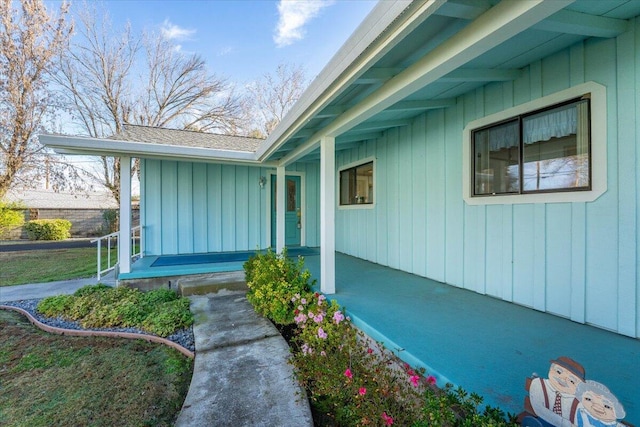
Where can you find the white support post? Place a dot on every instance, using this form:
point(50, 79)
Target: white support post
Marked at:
point(124, 239)
point(280, 207)
point(328, 215)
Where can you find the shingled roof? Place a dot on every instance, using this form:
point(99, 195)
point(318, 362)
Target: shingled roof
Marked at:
point(185, 138)
point(47, 199)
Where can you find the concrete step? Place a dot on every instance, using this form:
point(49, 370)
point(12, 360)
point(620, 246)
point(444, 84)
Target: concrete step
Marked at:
point(212, 283)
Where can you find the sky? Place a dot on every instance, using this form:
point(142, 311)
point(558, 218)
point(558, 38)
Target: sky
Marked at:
point(242, 40)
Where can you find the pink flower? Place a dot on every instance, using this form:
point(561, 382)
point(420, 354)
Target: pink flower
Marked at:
point(387, 419)
point(322, 334)
point(300, 308)
point(338, 317)
point(370, 350)
point(431, 379)
point(306, 349)
point(322, 353)
point(300, 318)
point(414, 380)
point(348, 373)
point(362, 391)
point(310, 314)
point(303, 300)
point(319, 318)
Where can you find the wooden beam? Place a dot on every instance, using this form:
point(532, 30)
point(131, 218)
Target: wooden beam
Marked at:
point(569, 22)
point(429, 104)
point(481, 75)
point(353, 137)
point(464, 9)
point(377, 75)
point(367, 127)
point(330, 111)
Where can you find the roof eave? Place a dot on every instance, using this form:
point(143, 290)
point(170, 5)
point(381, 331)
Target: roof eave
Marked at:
point(78, 145)
point(349, 58)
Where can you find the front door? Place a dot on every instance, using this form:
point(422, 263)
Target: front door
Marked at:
point(293, 213)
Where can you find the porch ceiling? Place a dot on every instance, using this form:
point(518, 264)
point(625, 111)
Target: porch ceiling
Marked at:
point(413, 75)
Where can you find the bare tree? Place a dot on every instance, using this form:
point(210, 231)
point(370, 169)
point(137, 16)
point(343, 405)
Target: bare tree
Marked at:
point(114, 79)
point(274, 94)
point(31, 41)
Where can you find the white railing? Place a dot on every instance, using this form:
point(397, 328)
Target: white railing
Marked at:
point(112, 242)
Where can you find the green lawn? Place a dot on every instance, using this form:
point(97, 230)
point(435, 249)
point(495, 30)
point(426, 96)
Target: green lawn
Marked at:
point(80, 381)
point(49, 265)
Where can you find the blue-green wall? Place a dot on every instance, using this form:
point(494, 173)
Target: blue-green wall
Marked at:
point(576, 260)
point(197, 207)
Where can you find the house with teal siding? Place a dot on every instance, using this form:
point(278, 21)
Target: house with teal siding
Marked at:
point(489, 145)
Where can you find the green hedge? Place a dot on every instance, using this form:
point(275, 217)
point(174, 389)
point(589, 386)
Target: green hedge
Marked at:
point(11, 216)
point(48, 229)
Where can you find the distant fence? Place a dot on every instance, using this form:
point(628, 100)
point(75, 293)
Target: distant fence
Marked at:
point(84, 222)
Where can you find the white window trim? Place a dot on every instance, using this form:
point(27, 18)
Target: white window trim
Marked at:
point(598, 148)
point(349, 166)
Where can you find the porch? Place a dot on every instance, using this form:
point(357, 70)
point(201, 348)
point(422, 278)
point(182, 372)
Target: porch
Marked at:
point(164, 266)
point(483, 344)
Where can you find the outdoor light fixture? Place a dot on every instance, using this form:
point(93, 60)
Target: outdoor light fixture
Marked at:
point(262, 181)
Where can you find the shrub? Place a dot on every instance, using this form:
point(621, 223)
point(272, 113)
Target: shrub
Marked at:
point(11, 216)
point(273, 280)
point(55, 306)
point(48, 229)
point(160, 312)
point(111, 220)
point(92, 289)
point(168, 317)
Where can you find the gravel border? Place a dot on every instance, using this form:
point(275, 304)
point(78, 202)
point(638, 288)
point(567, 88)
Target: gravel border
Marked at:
point(182, 340)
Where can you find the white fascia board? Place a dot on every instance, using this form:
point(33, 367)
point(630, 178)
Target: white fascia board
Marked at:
point(348, 64)
point(110, 147)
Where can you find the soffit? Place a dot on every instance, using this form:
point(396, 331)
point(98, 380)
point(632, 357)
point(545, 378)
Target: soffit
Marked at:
point(578, 21)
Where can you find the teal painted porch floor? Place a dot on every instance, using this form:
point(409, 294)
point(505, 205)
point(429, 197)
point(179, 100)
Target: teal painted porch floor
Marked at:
point(187, 264)
point(483, 344)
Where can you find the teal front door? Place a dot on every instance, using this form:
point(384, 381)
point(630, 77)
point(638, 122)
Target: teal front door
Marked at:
point(293, 212)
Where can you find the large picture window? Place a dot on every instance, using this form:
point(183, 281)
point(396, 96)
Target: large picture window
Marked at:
point(356, 185)
point(547, 150)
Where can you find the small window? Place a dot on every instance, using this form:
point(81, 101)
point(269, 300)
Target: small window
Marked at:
point(543, 151)
point(356, 185)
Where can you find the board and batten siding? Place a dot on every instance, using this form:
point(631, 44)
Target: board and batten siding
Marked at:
point(577, 260)
point(198, 207)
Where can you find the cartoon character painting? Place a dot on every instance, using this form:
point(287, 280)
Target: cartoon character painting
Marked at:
point(598, 407)
point(567, 399)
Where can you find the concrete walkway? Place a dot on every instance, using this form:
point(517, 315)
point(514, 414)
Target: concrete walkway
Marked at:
point(241, 376)
point(43, 290)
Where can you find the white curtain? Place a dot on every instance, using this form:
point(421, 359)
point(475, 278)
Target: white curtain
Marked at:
point(562, 121)
point(503, 136)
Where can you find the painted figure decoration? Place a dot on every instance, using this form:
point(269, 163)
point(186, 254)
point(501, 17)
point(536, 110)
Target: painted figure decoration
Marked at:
point(567, 399)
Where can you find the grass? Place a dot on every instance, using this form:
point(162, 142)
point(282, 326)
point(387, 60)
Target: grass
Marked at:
point(54, 380)
point(49, 265)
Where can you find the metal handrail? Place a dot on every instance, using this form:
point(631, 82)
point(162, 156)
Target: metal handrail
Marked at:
point(135, 235)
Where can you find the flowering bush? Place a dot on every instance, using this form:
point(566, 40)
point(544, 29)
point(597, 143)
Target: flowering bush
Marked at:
point(348, 378)
point(273, 280)
point(345, 378)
